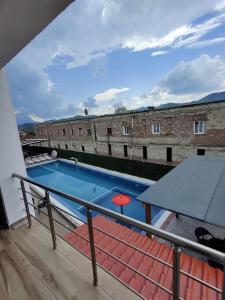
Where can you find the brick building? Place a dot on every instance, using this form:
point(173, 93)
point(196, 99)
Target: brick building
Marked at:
point(157, 135)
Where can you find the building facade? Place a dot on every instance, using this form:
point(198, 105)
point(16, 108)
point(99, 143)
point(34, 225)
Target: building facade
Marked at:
point(164, 136)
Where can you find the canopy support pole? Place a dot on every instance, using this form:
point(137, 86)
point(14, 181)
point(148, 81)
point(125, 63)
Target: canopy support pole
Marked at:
point(148, 217)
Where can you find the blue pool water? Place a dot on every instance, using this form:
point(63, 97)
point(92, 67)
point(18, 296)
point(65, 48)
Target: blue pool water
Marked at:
point(91, 185)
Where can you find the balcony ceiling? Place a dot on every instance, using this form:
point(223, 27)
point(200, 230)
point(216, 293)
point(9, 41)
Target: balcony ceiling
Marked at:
point(22, 20)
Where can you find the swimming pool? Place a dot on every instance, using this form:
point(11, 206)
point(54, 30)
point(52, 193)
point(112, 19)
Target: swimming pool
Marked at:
point(91, 185)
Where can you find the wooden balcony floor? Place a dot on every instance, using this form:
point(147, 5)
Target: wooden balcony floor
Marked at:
point(30, 269)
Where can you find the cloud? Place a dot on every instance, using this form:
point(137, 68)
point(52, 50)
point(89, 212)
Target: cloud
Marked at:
point(90, 102)
point(34, 94)
point(35, 118)
point(110, 94)
point(188, 81)
point(157, 53)
point(207, 43)
point(90, 29)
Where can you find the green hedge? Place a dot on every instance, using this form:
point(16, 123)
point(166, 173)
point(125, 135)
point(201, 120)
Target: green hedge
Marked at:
point(133, 167)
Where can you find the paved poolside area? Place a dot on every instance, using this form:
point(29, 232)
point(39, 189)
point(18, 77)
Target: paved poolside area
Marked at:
point(185, 227)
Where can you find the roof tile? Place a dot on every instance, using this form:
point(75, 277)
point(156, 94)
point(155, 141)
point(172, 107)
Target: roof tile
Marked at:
point(155, 270)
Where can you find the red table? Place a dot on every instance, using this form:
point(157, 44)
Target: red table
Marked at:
point(121, 200)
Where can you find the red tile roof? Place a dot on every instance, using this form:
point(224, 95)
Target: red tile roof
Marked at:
point(162, 274)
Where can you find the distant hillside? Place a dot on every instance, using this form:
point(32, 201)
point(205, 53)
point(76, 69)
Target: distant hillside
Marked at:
point(27, 127)
point(78, 117)
point(220, 96)
point(214, 97)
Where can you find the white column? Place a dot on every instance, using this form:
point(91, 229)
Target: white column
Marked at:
point(11, 157)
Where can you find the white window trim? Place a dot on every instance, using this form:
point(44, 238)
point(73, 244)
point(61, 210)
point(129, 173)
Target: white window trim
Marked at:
point(153, 128)
point(124, 131)
point(198, 127)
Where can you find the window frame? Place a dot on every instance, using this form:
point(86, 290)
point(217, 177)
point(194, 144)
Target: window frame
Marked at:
point(80, 131)
point(110, 130)
point(198, 127)
point(126, 132)
point(158, 126)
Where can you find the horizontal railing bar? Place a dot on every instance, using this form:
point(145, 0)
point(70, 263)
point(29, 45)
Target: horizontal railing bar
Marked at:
point(135, 248)
point(134, 270)
point(177, 240)
point(111, 255)
point(122, 241)
point(201, 281)
point(39, 197)
point(105, 232)
point(72, 231)
point(40, 221)
point(102, 267)
point(66, 212)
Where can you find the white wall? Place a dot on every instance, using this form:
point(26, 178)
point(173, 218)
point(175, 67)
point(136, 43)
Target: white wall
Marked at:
point(11, 157)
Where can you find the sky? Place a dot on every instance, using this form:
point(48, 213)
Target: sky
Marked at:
point(102, 54)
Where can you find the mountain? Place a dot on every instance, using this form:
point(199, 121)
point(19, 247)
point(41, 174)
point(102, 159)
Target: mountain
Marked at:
point(27, 127)
point(220, 96)
point(214, 97)
point(78, 117)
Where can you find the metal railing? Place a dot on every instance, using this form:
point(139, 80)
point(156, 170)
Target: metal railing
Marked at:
point(177, 241)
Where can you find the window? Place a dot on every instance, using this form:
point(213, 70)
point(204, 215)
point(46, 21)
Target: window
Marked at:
point(110, 149)
point(80, 131)
point(199, 127)
point(109, 130)
point(58, 146)
point(63, 131)
point(66, 146)
point(88, 131)
point(200, 151)
point(169, 154)
point(51, 131)
point(72, 131)
point(95, 149)
point(125, 130)
point(46, 133)
point(145, 153)
point(40, 131)
point(83, 148)
point(74, 146)
point(125, 150)
point(58, 132)
point(156, 128)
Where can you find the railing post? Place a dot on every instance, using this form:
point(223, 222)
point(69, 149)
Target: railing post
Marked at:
point(223, 290)
point(26, 202)
point(92, 246)
point(176, 272)
point(51, 223)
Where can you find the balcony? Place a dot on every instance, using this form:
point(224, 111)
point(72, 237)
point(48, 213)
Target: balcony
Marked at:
point(30, 269)
point(159, 265)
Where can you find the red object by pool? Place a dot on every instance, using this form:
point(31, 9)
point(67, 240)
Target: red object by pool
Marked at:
point(121, 200)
